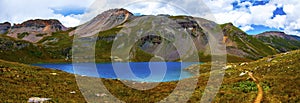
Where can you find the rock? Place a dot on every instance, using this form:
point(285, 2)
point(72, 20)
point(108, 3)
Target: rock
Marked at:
point(116, 59)
point(101, 95)
point(38, 100)
point(50, 25)
point(274, 61)
point(4, 27)
point(243, 73)
point(242, 64)
point(53, 73)
point(228, 67)
point(35, 30)
point(270, 59)
point(286, 53)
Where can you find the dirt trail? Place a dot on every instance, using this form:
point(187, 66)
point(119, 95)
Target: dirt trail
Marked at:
point(260, 92)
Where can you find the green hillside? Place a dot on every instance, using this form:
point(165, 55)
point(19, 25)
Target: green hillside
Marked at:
point(277, 74)
point(281, 44)
point(254, 48)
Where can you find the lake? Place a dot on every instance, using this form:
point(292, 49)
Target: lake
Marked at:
point(134, 71)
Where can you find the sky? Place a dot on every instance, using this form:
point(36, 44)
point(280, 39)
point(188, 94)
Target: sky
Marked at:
point(252, 16)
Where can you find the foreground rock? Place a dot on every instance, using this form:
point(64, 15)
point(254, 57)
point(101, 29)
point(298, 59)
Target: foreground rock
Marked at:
point(37, 100)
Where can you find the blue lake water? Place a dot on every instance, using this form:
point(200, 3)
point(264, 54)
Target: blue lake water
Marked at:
point(135, 71)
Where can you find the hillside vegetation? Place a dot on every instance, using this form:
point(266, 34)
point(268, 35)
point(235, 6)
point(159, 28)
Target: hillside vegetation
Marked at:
point(29, 43)
point(278, 75)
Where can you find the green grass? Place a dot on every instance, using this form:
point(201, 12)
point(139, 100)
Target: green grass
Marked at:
point(20, 82)
point(253, 46)
point(40, 35)
point(22, 35)
point(281, 44)
point(110, 32)
point(278, 77)
point(19, 50)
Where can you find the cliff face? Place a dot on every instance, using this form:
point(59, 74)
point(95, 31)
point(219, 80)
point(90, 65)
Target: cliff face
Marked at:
point(4, 27)
point(35, 30)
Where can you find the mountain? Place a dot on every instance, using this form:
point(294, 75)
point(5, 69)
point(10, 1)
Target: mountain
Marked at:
point(296, 37)
point(4, 27)
point(154, 35)
point(239, 43)
point(35, 30)
point(276, 34)
point(143, 37)
point(54, 48)
point(107, 20)
point(279, 40)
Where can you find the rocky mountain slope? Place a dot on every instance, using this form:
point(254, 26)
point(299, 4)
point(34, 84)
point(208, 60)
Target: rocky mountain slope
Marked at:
point(296, 37)
point(104, 21)
point(276, 34)
point(4, 27)
point(35, 30)
point(240, 44)
point(279, 40)
point(150, 35)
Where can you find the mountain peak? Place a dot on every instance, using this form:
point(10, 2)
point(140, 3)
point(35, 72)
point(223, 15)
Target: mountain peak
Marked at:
point(35, 30)
point(115, 12)
point(40, 23)
point(275, 34)
point(105, 21)
point(230, 30)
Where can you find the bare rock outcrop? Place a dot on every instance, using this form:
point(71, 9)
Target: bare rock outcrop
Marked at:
point(35, 30)
point(104, 21)
point(4, 27)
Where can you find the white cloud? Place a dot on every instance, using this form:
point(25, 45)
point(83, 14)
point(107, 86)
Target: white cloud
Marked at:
point(247, 28)
point(17, 11)
point(279, 21)
point(175, 7)
point(221, 11)
point(260, 15)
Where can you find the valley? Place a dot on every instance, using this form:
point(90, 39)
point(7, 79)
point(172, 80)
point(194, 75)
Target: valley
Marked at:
point(273, 58)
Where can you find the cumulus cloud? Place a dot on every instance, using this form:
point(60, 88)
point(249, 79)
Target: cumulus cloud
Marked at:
point(153, 7)
point(247, 28)
point(248, 14)
point(17, 11)
point(221, 11)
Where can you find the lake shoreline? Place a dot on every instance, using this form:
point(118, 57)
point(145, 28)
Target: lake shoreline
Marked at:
point(174, 71)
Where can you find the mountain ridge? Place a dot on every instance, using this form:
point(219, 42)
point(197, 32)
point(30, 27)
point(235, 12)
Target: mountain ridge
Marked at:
point(276, 34)
point(109, 23)
point(35, 30)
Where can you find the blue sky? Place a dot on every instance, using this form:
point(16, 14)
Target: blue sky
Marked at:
point(261, 28)
point(256, 29)
point(252, 16)
point(69, 11)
